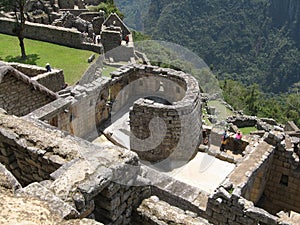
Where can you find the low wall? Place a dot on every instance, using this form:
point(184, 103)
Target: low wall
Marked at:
point(75, 12)
point(53, 80)
point(57, 35)
point(226, 208)
point(19, 95)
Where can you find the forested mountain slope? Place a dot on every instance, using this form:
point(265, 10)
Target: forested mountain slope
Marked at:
point(253, 41)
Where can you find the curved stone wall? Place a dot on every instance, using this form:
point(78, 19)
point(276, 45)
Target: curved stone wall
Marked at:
point(159, 131)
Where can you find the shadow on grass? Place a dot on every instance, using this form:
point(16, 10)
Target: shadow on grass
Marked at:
point(31, 59)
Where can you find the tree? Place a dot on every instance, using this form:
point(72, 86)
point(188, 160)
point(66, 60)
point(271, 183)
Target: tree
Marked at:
point(18, 7)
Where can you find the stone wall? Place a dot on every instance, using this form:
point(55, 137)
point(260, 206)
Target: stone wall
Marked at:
point(90, 108)
point(282, 189)
point(57, 35)
point(24, 150)
point(53, 80)
point(180, 111)
point(75, 12)
point(29, 70)
point(20, 98)
point(110, 39)
point(116, 203)
point(120, 53)
point(226, 208)
point(257, 181)
point(89, 16)
point(82, 112)
point(78, 179)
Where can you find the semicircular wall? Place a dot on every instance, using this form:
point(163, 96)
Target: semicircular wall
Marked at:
point(159, 131)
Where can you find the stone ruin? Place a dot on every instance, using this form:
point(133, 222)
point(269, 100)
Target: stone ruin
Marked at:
point(50, 161)
point(60, 22)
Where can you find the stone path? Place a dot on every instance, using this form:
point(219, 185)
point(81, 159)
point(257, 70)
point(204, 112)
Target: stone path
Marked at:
point(204, 171)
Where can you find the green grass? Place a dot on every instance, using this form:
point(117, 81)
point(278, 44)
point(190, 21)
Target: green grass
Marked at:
point(107, 70)
point(220, 108)
point(247, 130)
point(72, 61)
point(204, 113)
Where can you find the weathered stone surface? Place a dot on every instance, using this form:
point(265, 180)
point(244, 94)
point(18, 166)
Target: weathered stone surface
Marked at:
point(152, 211)
point(290, 126)
point(55, 204)
point(7, 180)
point(261, 215)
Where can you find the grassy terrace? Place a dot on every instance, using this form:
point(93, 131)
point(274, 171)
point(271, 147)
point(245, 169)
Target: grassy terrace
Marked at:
point(72, 61)
point(223, 111)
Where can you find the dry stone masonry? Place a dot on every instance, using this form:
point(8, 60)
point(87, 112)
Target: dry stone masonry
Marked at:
point(48, 161)
point(19, 94)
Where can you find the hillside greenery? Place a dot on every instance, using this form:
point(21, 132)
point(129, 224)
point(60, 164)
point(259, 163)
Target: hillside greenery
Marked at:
point(251, 46)
point(248, 98)
point(72, 61)
point(243, 40)
point(108, 7)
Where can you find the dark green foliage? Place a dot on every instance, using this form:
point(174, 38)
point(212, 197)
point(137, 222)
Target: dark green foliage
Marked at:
point(252, 101)
point(136, 11)
point(108, 7)
point(139, 36)
point(251, 41)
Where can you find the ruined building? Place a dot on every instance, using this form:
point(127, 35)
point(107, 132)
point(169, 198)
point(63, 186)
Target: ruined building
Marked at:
point(71, 24)
point(132, 148)
point(154, 169)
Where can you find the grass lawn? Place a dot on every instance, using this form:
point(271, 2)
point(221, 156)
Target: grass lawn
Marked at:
point(72, 61)
point(223, 111)
point(247, 130)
